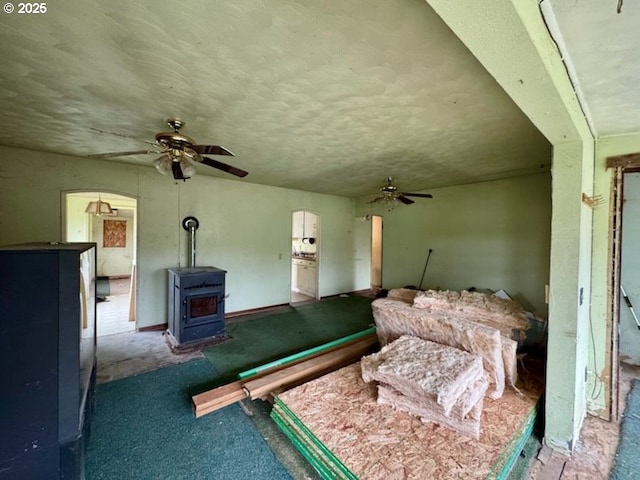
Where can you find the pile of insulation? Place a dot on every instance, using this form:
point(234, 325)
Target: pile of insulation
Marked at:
point(435, 382)
point(481, 324)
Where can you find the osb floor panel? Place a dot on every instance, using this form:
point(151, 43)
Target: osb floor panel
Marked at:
point(376, 442)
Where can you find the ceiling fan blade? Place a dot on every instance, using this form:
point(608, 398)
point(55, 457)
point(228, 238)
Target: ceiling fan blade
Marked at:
point(376, 200)
point(224, 167)
point(122, 154)
point(211, 150)
point(405, 200)
point(177, 171)
point(422, 195)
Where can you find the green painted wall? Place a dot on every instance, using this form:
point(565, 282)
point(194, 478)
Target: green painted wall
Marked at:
point(244, 228)
point(511, 40)
point(569, 301)
point(493, 235)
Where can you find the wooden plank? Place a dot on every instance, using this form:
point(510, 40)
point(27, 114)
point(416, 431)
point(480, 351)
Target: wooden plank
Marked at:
point(306, 354)
point(631, 160)
point(611, 369)
point(260, 387)
point(212, 400)
point(217, 398)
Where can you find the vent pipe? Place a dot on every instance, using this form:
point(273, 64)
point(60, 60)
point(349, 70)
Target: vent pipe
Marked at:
point(191, 224)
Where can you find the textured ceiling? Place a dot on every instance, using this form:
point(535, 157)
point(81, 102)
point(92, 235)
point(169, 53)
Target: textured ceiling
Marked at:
point(328, 96)
point(602, 48)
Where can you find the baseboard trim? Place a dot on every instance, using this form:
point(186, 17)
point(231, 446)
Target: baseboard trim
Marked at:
point(253, 311)
point(154, 328)
point(361, 293)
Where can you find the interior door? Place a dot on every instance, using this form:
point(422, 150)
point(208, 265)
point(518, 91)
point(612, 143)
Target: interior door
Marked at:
point(376, 252)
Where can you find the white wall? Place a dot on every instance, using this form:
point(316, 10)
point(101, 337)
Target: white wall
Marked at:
point(489, 235)
point(244, 228)
point(78, 221)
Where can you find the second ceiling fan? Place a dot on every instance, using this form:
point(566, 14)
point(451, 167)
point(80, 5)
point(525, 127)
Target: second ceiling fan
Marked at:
point(178, 151)
point(389, 194)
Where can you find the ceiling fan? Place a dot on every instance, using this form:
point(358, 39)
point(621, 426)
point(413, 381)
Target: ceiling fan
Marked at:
point(178, 152)
point(389, 194)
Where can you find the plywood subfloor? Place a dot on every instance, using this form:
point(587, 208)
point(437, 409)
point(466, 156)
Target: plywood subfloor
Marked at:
point(375, 442)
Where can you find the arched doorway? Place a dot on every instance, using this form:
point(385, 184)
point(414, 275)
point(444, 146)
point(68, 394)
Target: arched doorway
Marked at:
point(115, 236)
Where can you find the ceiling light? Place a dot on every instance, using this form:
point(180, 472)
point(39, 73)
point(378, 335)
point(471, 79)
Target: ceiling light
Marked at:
point(99, 208)
point(188, 170)
point(163, 164)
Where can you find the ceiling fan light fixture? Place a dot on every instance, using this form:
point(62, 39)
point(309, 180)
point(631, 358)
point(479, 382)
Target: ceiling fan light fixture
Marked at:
point(188, 170)
point(178, 151)
point(390, 196)
point(99, 208)
point(163, 164)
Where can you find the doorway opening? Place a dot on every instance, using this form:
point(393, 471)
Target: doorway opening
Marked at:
point(626, 283)
point(368, 254)
point(376, 253)
point(622, 354)
point(305, 256)
point(115, 235)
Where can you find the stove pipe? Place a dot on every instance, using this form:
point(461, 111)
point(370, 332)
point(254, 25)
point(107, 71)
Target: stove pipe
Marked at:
point(191, 224)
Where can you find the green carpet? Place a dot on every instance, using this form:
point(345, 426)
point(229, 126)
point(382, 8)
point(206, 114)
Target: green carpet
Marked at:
point(627, 461)
point(144, 428)
point(272, 336)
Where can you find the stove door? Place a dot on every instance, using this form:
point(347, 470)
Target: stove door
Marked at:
point(203, 307)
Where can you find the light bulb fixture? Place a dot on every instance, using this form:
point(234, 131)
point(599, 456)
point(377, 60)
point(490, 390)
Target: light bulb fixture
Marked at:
point(166, 163)
point(163, 164)
point(99, 208)
point(188, 170)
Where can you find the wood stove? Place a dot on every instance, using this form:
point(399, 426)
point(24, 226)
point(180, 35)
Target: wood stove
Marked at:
point(196, 303)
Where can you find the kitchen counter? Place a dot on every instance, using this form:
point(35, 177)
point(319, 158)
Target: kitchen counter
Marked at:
point(301, 257)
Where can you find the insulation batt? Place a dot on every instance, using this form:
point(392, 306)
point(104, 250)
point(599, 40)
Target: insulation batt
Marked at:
point(404, 294)
point(428, 373)
point(509, 358)
point(505, 315)
point(468, 425)
point(395, 318)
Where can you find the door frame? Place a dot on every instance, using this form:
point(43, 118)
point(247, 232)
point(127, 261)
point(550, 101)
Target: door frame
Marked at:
point(318, 242)
point(621, 164)
point(133, 294)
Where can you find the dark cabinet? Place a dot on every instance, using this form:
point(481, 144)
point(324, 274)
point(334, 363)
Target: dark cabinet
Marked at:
point(47, 358)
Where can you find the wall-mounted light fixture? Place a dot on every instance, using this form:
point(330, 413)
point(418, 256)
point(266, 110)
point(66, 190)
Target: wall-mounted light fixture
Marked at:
point(99, 208)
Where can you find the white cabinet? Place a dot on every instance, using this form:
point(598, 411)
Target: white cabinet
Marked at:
point(310, 225)
point(297, 229)
point(303, 276)
point(305, 225)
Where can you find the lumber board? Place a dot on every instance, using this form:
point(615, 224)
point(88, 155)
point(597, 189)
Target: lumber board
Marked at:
point(219, 397)
point(305, 354)
point(260, 387)
point(631, 160)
